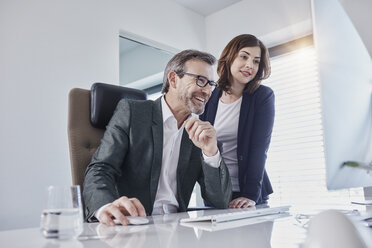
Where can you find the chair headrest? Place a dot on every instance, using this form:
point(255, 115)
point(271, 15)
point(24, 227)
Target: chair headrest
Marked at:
point(105, 97)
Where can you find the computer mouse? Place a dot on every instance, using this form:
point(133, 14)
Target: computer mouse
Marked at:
point(134, 220)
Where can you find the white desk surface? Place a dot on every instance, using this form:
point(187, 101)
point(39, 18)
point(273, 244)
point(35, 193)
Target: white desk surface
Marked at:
point(166, 231)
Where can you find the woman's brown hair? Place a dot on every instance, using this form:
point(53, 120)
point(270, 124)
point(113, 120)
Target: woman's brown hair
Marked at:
point(231, 52)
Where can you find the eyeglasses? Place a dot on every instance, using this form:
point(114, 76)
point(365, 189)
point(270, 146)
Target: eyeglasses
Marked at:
point(201, 81)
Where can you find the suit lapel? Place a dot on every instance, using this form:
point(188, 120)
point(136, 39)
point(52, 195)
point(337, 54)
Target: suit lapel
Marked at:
point(157, 138)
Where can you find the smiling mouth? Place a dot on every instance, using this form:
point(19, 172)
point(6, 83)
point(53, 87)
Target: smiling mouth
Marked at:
point(200, 99)
point(246, 74)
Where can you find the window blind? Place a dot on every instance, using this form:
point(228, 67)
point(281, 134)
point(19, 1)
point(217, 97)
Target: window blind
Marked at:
point(295, 163)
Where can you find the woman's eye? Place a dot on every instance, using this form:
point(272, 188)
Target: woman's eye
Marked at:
point(243, 57)
point(257, 62)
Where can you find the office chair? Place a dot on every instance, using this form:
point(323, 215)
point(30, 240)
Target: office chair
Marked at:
point(89, 111)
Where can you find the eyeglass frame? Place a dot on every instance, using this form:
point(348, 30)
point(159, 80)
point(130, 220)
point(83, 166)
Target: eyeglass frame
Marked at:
point(211, 83)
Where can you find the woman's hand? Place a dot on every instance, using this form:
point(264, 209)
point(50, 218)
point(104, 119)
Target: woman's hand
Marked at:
point(242, 202)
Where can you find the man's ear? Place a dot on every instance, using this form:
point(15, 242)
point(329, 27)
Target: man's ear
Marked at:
point(172, 77)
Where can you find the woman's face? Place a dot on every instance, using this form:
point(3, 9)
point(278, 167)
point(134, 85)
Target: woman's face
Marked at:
point(245, 66)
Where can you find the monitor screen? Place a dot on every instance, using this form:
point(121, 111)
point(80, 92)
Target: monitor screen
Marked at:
point(345, 72)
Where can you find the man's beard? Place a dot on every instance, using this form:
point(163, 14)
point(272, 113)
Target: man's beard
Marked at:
point(193, 108)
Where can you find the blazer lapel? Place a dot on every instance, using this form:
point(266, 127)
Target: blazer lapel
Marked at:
point(157, 138)
point(244, 109)
point(213, 104)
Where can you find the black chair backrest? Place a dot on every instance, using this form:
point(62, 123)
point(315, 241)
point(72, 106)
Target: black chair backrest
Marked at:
point(105, 97)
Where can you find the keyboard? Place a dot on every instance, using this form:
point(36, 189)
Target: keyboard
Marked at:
point(236, 214)
point(211, 227)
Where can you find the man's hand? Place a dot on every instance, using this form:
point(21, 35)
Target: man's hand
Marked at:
point(119, 208)
point(242, 202)
point(203, 135)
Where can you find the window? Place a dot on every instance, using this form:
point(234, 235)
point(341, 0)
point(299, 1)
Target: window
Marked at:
point(295, 162)
point(142, 64)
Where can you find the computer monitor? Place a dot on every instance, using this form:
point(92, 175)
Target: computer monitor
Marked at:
point(345, 72)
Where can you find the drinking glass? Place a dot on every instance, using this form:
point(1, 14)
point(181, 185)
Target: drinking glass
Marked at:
point(62, 217)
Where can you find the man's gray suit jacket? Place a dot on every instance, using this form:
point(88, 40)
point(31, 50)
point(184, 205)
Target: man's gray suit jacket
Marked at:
point(129, 158)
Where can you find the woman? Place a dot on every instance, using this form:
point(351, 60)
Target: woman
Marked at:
point(242, 112)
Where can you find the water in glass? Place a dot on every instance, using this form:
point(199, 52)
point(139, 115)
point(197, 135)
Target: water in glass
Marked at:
point(62, 217)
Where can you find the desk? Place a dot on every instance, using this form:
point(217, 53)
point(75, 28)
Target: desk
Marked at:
point(166, 231)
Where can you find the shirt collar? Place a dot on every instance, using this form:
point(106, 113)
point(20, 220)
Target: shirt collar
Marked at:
point(167, 113)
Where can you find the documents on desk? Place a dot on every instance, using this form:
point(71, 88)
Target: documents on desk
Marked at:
point(235, 214)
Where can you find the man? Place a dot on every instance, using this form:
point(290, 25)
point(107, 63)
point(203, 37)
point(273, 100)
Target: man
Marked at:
point(153, 152)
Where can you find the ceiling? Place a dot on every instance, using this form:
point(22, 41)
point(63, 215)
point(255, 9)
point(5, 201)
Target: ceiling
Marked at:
point(206, 7)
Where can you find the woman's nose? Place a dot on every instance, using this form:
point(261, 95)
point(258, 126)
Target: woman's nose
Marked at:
point(249, 64)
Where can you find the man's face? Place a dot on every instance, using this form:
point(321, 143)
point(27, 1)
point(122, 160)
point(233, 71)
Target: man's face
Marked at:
point(189, 94)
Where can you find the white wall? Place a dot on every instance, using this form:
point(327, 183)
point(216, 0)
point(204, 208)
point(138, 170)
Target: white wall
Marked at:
point(277, 21)
point(360, 14)
point(258, 17)
point(48, 47)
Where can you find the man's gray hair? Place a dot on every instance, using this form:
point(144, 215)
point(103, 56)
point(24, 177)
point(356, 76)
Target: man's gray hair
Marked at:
point(177, 64)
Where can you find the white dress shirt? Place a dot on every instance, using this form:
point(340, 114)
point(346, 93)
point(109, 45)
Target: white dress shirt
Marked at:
point(165, 199)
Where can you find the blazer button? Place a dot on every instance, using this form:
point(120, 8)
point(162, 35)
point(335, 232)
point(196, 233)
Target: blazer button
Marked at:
point(241, 157)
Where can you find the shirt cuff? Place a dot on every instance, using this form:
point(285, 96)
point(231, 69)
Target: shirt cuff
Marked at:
point(98, 212)
point(213, 161)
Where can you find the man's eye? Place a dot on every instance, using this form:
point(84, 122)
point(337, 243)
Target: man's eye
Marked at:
point(202, 80)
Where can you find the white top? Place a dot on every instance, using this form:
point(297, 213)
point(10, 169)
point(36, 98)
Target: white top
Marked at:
point(226, 125)
point(165, 199)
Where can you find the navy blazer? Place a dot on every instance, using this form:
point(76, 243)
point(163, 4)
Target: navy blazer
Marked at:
point(254, 133)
